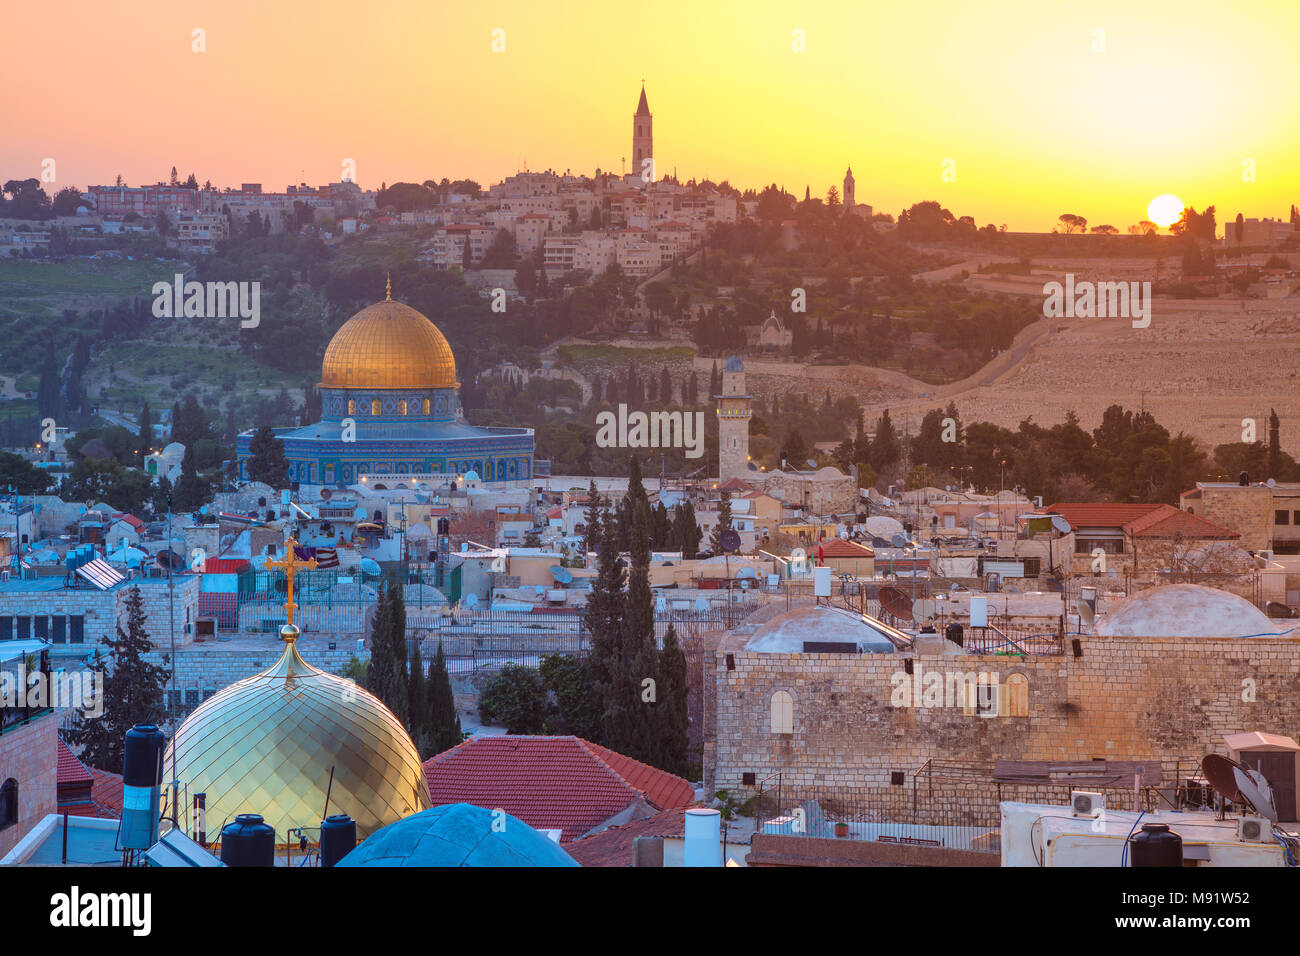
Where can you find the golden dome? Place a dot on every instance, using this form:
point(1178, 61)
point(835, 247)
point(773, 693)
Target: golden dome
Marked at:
point(267, 743)
point(388, 345)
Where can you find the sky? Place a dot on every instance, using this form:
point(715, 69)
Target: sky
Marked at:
point(1091, 107)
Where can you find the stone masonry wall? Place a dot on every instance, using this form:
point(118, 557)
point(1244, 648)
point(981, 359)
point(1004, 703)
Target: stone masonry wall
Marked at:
point(1169, 698)
point(30, 754)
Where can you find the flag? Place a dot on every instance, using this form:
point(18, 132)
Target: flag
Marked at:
point(327, 558)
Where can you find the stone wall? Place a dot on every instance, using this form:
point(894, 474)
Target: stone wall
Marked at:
point(211, 666)
point(1248, 511)
point(30, 755)
point(1170, 699)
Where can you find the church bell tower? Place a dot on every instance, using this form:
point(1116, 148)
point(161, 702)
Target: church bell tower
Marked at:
point(643, 140)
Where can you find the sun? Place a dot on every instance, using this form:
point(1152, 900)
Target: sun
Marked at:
point(1165, 210)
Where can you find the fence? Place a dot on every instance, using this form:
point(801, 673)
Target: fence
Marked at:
point(883, 815)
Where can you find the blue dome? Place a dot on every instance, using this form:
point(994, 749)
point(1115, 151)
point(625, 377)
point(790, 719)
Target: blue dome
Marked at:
point(472, 476)
point(457, 834)
point(734, 364)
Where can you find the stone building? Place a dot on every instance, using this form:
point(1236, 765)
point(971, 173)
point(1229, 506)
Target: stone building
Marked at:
point(867, 722)
point(1265, 517)
point(28, 775)
point(734, 412)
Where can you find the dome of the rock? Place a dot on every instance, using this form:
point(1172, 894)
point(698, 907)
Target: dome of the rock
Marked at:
point(388, 345)
point(268, 744)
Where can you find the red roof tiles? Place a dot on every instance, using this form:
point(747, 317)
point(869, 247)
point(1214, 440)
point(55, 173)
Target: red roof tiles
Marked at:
point(563, 783)
point(839, 548)
point(616, 845)
point(1140, 520)
point(85, 791)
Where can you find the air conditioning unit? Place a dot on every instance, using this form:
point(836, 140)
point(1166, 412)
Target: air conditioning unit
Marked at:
point(1084, 803)
point(1254, 830)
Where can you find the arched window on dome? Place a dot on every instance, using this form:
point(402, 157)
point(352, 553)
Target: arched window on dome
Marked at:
point(426, 406)
point(376, 406)
point(782, 713)
point(352, 406)
point(401, 407)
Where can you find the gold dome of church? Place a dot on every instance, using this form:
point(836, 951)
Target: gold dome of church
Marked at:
point(388, 345)
point(267, 745)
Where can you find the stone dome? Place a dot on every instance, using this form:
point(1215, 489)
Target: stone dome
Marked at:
point(388, 345)
point(458, 834)
point(1185, 610)
point(268, 743)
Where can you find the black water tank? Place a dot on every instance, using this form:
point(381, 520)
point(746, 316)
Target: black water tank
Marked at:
point(248, 842)
point(141, 766)
point(954, 633)
point(1156, 845)
point(338, 838)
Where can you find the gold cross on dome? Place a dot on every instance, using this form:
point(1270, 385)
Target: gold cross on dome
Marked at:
point(291, 566)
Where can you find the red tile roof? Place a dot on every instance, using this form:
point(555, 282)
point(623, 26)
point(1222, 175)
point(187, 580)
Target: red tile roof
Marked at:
point(563, 783)
point(1141, 520)
point(616, 845)
point(1168, 521)
point(735, 484)
point(839, 548)
point(1099, 514)
point(86, 791)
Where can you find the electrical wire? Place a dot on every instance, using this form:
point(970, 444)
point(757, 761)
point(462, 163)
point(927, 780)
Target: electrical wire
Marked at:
point(1123, 857)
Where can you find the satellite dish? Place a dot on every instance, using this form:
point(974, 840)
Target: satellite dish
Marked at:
point(730, 540)
point(369, 566)
point(1221, 772)
point(81, 510)
point(1060, 524)
point(898, 540)
point(1254, 789)
point(471, 600)
point(561, 574)
point(203, 510)
point(1271, 483)
point(896, 602)
point(922, 609)
point(753, 467)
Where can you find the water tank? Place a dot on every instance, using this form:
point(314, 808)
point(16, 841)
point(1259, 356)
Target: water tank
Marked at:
point(338, 838)
point(954, 633)
point(248, 842)
point(1156, 845)
point(141, 777)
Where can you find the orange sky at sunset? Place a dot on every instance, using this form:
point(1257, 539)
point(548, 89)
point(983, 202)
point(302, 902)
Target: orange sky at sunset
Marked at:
point(1037, 121)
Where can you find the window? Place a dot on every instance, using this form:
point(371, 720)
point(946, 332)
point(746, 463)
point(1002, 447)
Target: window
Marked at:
point(426, 406)
point(782, 713)
point(1089, 545)
point(1281, 517)
point(6, 628)
point(60, 629)
point(24, 628)
point(352, 406)
point(1015, 696)
point(8, 803)
point(375, 406)
point(77, 629)
point(42, 631)
point(401, 407)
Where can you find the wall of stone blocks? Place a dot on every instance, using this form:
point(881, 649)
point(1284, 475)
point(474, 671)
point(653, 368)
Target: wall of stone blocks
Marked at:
point(29, 754)
point(1171, 699)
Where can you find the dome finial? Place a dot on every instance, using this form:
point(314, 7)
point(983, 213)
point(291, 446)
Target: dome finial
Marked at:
point(388, 287)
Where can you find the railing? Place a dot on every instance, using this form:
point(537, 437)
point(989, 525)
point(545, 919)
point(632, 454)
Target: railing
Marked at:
point(881, 815)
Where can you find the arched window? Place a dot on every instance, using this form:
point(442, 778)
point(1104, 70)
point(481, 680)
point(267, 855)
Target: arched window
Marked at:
point(352, 406)
point(426, 406)
point(8, 803)
point(375, 406)
point(782, 713)
point(401, 407)
point(1015, 694)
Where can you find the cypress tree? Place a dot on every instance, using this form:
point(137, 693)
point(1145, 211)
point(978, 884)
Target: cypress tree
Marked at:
point(397, 647)
point(380, 673)
point(417, 702)
point(133, 690)
point(146, 434)
point(591, 522)
point(672, 732)
point(444, 722)
point(602, 618)
point(724, 523)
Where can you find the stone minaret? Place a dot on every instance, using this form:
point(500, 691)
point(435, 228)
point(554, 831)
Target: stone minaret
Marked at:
point(848, 190)
point(643, 137)
point(733, 422)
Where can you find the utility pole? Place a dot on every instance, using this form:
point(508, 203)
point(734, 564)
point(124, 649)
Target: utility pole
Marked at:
point(171, 630)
